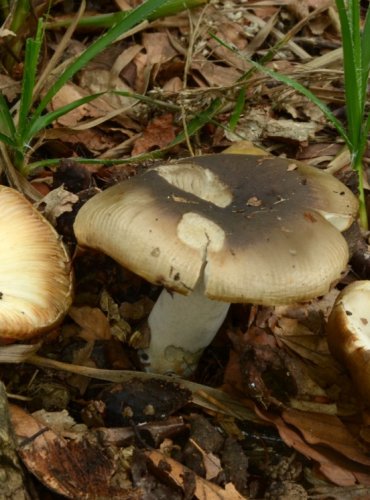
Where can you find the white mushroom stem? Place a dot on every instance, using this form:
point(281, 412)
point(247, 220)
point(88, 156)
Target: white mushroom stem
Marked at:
point(181, 327)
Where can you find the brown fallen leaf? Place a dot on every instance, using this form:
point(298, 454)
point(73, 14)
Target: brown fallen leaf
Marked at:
point(75, 468)
point(204, 490)
point(57, 202)
point(159, 133)
point(334, 466)
point(211, 462)
point(328, 430)
point(93, 322)
point(158, 48)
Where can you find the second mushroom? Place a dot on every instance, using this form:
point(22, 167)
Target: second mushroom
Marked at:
point(219, 229)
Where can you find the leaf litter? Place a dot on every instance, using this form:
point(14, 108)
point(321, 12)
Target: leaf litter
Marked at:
point(270, 402)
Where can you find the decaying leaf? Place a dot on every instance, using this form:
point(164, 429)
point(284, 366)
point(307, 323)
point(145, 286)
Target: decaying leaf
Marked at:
point(203, 489)
point(75, 468)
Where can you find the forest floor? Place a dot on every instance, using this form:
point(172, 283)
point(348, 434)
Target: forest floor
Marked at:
point(269, 412)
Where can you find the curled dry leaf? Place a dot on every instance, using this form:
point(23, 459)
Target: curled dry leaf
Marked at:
point(57, 202)
point(93, 322)
point(338, 468)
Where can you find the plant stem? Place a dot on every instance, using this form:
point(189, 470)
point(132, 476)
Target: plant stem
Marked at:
point(107, 20)
point(358, 167)
point(19, 14)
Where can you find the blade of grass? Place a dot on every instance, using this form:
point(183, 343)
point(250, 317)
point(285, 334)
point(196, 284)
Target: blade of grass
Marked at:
point(365, 49)
point(351, 82)
point(297, 86)
point(29, 76)
point(194, 126)
point(45, 120)
point(198, 122)
point(59, 50)
point(7, 140)
point(364, 136)
point(135, 16)
point(238, 109)
point(6, 119)
point(307, 93)
point(19, 11)
point(107, 20)
point(4, 10)
point(355, 23)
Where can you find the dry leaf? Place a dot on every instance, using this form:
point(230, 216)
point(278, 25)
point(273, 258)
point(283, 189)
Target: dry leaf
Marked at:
point(57, 202)
point(75, 468)
point(335, 467)
point(212, 464)
point(204, 490)
point(93, 322)
point(158, 134)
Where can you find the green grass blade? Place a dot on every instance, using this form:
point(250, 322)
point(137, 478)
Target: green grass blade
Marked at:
point(364, 135)
point(147, 99)
point(366, 129)
point(45, 120)
point(170, 8)
point(198, 122)
point(298, 87)
point(29, 77)
point(7, 140)
point(354, 19)
point(351, 72)
point(6, 120)
point(238, 109)
point(136, 16)
point(193, 126)
point(307, 93)
point(365, 49)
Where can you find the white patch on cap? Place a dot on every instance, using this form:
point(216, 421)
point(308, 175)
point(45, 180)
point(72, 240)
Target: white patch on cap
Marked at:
point(356, 308)
point(198, 181)
point(339, 221)
point(199, 232)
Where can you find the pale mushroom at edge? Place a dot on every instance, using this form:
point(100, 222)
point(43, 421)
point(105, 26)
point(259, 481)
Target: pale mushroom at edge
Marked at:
point(35, 271)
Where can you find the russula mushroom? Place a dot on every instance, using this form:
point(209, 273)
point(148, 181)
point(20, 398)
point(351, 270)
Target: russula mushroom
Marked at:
point(348, 334)
point(35, 271)
point(218, 229)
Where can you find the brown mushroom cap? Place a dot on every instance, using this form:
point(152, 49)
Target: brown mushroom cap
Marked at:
point(35, 271)
point(257, 225)
point(348, 333)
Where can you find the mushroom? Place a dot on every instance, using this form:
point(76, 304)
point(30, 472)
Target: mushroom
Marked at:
point(348, 334)
point(35, 271)
point(218, 229)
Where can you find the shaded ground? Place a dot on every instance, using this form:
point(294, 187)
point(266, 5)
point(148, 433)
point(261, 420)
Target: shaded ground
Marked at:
point(285, 421)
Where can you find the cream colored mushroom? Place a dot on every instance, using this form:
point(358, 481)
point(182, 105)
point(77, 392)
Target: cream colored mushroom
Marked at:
point(219, 229)
point(35, 271)
point(348, 332)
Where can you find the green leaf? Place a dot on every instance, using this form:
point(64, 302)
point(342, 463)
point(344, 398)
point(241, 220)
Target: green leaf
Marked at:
point(171, 7)
point(7, 140)
point(365, 49)
point(198, 122)
point(6, 119)
point(45, 120)
point(352, 85)
point(29, 77)
point(238, 109)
